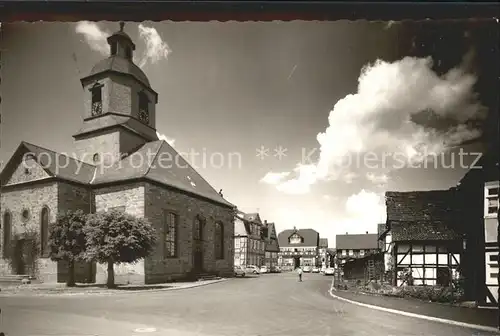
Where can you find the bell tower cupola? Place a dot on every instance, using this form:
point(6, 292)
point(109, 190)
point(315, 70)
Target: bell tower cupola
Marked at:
point(121, 44)
point(119, 103)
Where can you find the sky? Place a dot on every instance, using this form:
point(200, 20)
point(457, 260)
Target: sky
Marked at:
point(293, 119)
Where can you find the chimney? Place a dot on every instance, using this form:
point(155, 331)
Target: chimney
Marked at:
point(366, 232)
point(265, 221)
point(347, 233)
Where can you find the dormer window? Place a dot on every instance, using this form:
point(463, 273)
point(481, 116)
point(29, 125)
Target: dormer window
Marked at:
point(143, 107)
point(296, 239)
point(96, 92)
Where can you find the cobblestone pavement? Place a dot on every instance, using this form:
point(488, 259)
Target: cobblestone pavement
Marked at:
point(271, 304)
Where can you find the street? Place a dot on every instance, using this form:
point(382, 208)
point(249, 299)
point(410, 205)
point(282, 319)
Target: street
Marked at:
point(271, 304)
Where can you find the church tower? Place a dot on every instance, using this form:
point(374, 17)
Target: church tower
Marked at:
point(120, 106)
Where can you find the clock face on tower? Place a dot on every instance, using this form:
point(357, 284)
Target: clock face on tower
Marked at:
point(144, 116)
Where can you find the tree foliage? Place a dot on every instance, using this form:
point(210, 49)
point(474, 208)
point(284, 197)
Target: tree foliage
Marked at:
point(67, 240)
point(118, 237)
point(67, 237)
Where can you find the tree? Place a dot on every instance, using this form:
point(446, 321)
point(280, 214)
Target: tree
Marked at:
point(117, 237)
point(67, 240)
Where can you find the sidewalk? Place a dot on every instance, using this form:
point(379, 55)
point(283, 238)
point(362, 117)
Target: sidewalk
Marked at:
point(483, 317)
point(94, 289)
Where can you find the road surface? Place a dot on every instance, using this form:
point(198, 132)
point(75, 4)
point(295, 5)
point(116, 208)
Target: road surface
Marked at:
point(272, 304)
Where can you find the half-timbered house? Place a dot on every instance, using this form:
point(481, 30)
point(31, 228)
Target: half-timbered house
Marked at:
point(426, 238)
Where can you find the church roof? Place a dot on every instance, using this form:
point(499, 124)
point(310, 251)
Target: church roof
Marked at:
point(159, 162)
point(156, 161)
point(111, 120)
point(55, 164)
point(122, 65)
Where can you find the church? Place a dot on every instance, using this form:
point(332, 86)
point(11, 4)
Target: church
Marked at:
point(118, 163)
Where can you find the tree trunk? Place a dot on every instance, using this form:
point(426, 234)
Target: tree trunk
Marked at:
point(111, 275)
point(71, 274)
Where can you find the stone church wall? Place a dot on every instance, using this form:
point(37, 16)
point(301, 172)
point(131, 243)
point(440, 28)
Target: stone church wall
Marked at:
point(33, 198)
point(160, 269)
point(132, 198)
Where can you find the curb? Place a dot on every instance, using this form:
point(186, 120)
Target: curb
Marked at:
point(408, 314)
point(103, 293)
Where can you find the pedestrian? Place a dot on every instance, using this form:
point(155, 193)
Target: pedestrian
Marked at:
point(299, 270)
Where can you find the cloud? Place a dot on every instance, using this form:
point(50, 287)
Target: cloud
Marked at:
point(380, 179)
point(94, 36)
point(383, 118)
point(274, 178)
point(163, 137)
point(305, 176)
point(155, 48)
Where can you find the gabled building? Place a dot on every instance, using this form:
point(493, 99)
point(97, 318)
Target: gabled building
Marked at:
point(478, 202)
point(249, 240)
point(111, 167)
point(354, 246)
point(298, 247)
point(272, 247)
point(426, 235)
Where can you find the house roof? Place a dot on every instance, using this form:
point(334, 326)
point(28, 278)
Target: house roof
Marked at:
point(366, 241)
point(489, 171)
point(253, 217)
point(271, 239)
point(423, 215)
point(331, 251)
point(156, 161)
point(310, 236)
point(323, 242)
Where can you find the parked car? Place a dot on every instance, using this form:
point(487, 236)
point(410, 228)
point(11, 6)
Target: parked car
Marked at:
point(276, 269)
point(252, 269)
point(306, 269)
point(264, 269)
point(329, 271)
point(323, 269)
point(315, 270)
point(239, 271)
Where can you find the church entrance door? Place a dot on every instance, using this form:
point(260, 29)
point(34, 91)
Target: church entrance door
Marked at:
point(198, 257)
point(23, 257)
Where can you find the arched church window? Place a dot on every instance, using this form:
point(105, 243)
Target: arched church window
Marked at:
point(219, 241)
point(7, 227)
point(44, 232)
point(96, 92)
point(143, 107)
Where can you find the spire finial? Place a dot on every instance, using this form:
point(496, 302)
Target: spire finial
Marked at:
point(122, 24)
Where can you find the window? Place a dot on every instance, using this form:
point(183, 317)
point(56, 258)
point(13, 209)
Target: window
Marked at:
point(198, 228)
point(494, 257)
point(128, 53)
point(44, 232)
point(117, 208)
point(219, 241)
point(25, 215)
point(7, 223)
point(491, 200)
point(113, 48)
point(96, 92)
point(143, 107)
point(351, 252)
point(95, 158)
point(170, 234)
point(344, 252)
point(362, 253)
